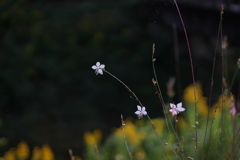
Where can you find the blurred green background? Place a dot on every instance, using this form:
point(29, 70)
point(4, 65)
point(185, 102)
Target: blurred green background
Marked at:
point(48, 91)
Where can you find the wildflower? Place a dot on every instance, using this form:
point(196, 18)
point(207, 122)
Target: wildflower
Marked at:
point(47, 153)
point(141, 111)
point(176, 109)
point(22, 151)
point(98, 68)
point(92, 138)
point(232, 105)
point(134, 136)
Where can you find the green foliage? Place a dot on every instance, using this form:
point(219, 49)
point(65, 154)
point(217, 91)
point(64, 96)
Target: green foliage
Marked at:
point(218, 132)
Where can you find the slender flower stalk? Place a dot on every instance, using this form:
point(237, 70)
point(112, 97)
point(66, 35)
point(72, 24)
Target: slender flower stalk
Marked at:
point(235, 74)
point(212, 82)
point(136, 98)
point(193, 78)
point(159, 93)
point(211, 87)
point(96, 151)
point(125, 139)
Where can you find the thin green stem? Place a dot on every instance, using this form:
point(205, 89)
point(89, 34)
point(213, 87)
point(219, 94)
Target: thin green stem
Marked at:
point(158, 90)
point(125, 139)
point(96, 151)
point(222, 99)
point(211, 87)
point(124, 86)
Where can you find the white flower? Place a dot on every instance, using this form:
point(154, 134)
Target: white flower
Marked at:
point(141, 111)
point(176, 109)
point(98, 68)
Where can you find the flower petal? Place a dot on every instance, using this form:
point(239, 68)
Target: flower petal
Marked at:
point(181, 109)
point(139, 107)
point(179, 105)
point(98, 64)
point(138, 112)
point(144, 113)
point(143, 109)
point(94, 67)
point(100, 71)
point(102, 66)
point(172, 105)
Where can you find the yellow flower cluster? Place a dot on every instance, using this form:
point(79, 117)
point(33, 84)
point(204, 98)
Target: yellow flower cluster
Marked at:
point(132, 134)
point(22, 152)
point(93, 138)
point(201, 101)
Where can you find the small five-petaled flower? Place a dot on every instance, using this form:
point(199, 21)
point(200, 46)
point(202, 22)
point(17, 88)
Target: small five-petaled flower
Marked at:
point(176, 109)
point(141, 111)
point(98, 68)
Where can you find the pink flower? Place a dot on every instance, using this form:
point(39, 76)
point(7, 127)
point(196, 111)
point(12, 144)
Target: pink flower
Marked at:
point(176, 109)
point(141, 111)
point(233, 108)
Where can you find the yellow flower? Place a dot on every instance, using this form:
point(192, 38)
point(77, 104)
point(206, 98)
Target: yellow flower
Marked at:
point(189, 93)
point(201, 101)
point(159, 124)
point(36, 153)
point(10, 155)
point(98, 135)
point(202, 106)
point(47, 153)
point(22, 151)
point(135, 137)
point(92, 138)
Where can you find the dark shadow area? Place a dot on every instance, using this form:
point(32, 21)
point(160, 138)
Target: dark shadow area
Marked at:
point(48, 91)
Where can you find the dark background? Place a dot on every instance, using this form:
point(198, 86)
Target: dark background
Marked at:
point(50, 94)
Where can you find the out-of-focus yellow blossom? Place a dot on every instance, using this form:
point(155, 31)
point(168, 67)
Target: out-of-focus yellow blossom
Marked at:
point(10, 155)
point(36, 153)
point(1, 158)
point(92, 138)
point(47, 153)
point(135, 137)
point(22, 151)
point(98, 135)
point(159, 124)
point(202, 106)
point(201, 101)
point(189, 93)
point(222, 103)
